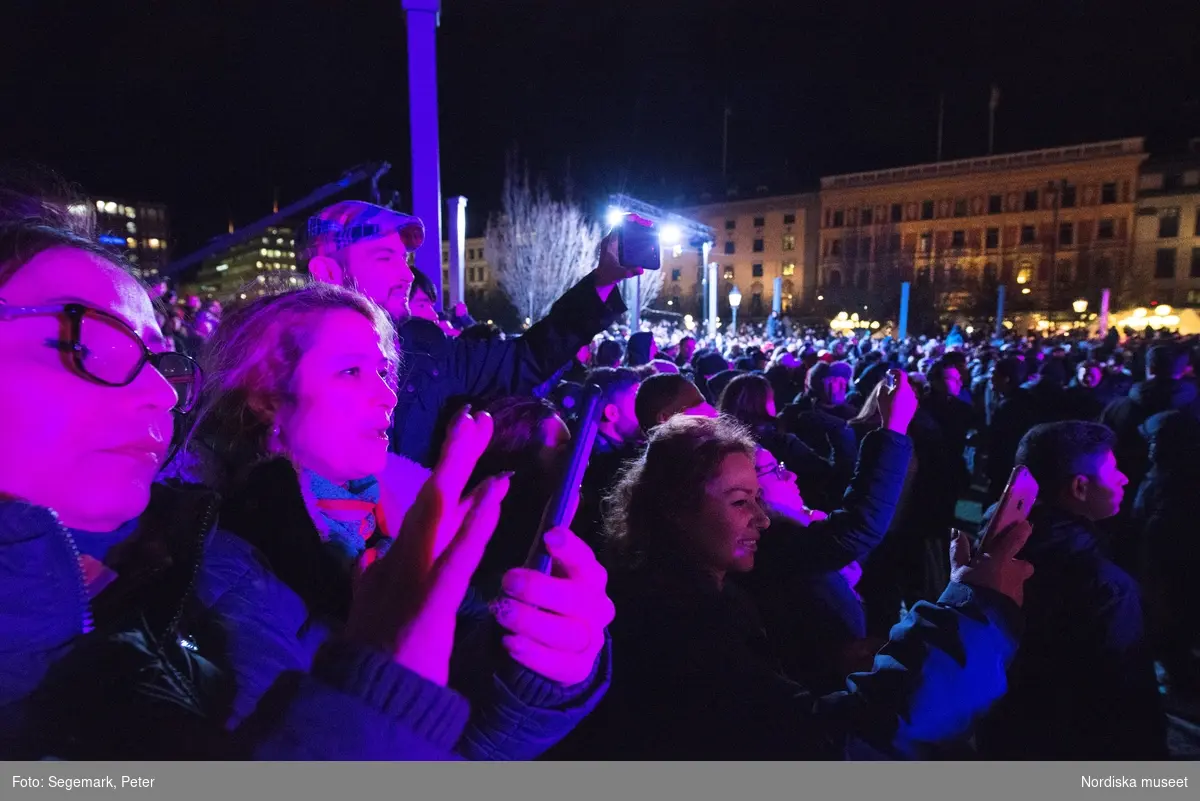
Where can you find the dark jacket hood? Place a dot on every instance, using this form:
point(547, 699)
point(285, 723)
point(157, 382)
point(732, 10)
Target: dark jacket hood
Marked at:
point(1160, 394)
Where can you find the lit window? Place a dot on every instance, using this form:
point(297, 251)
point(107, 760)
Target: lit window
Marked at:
point(277, 254)
point(154, 244)
point(131, 227)
point(100, 205)
point(258, 264)
point(789, 268)
point(110, 208)
point(292, 242)
point(265, 242)
point(291, 254)
point(130, 212)
point(279, 241)
point(263, 252)
point(131, 242)
point(1023, 276)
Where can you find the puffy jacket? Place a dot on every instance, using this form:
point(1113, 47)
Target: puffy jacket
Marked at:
point(516, 714)
point(135, 673)
point(698, 680)
point(437, 370)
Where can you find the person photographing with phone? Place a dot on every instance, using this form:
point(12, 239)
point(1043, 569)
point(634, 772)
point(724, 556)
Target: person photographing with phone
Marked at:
point(1083, 683)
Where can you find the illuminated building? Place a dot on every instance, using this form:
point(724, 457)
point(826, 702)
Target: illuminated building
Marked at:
point(141, 231)
point(255, 266)
point(1167, 235)
point(758, 240)
point(1050, 225)
point(479, 276)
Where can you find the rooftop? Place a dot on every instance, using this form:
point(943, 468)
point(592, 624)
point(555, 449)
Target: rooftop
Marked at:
point(1005, 161)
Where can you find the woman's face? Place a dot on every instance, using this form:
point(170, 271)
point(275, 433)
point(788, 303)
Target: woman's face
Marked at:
point(344, 400)
point(88, 451)
point(729, 519)
point(778, 484)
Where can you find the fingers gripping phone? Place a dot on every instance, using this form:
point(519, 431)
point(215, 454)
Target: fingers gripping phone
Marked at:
point(637, 243)
point(1018, 498)
point(576, 464)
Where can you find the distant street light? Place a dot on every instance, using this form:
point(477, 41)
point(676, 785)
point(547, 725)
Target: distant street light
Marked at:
point(1080, 306)
point(735, 300)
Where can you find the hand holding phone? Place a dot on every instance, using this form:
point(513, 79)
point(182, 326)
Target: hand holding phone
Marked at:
point(1019, 496)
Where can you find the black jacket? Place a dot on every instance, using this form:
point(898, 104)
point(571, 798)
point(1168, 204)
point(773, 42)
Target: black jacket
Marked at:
point(436, 370)
point(811, 613)
point(698, 680)
point(1012, 417)
point(1126, 415)
point(1083, 684)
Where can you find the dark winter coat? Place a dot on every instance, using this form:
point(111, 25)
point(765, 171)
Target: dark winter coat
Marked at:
point(137, 672)
point(698, 680)
point(437, 372)
point(812, 614)
point(1083, 683)
point(531, 712)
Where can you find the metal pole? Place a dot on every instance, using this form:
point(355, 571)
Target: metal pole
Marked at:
point(456, 213)
point(711, 270)
point(1102, 320)
point(902, 331)
point(777, 296)
point(1000, 311)
point(421, 20)
point(734, 309)
point(635, 308)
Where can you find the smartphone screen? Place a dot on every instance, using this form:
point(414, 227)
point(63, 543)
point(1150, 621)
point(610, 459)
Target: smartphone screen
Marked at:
point(574, 467)
point(637, 243)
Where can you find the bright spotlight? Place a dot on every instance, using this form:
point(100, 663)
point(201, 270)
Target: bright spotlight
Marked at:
point(614, 217)
point(670, 234)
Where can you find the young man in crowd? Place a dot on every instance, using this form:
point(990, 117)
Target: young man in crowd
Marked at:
point(365, 246)
point(661, 397)
point(617, 439)
point(1082, 685)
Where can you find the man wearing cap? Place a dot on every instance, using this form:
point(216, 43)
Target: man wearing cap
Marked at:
point(366, 247)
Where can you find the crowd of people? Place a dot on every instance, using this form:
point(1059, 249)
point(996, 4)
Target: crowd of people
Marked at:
point(297, 529)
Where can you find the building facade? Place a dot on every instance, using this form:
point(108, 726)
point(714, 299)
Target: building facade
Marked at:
point(251, 268)
point(1167, 235)
point(1053, 226)
point(479, 276)
point(758, 240)
point(141, 231)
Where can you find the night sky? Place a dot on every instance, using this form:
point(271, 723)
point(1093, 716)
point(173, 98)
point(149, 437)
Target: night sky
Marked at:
point(209, 111)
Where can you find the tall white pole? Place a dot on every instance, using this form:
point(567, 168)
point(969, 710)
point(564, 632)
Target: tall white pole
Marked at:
point(421, 20)
point(456, 213)
point(711, 269)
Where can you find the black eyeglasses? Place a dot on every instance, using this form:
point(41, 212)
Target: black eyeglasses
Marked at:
point(778, 469)
point(103, 348)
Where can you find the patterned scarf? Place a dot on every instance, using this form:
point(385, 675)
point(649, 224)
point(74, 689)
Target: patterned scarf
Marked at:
point(349, 523)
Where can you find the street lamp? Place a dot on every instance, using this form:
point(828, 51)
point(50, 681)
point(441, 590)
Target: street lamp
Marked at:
point(1080, 306)
point(735, 300)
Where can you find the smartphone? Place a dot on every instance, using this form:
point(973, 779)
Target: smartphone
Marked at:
point(1018, 498)
point(574, 467)
point(637, 243)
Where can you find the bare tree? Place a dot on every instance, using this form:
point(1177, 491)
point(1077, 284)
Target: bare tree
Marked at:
point(538, 246)
point(651, 282)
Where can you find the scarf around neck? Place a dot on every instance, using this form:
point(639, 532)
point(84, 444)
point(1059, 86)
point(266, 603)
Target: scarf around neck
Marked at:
point(348, 524)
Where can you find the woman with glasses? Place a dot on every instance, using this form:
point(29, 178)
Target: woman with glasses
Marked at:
point(112, 589)
point(698, 678)
point(810, 562)
point(299, 397)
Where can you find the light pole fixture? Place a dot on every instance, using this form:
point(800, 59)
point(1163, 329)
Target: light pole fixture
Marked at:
point(1080, 306)
point(735, 300)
